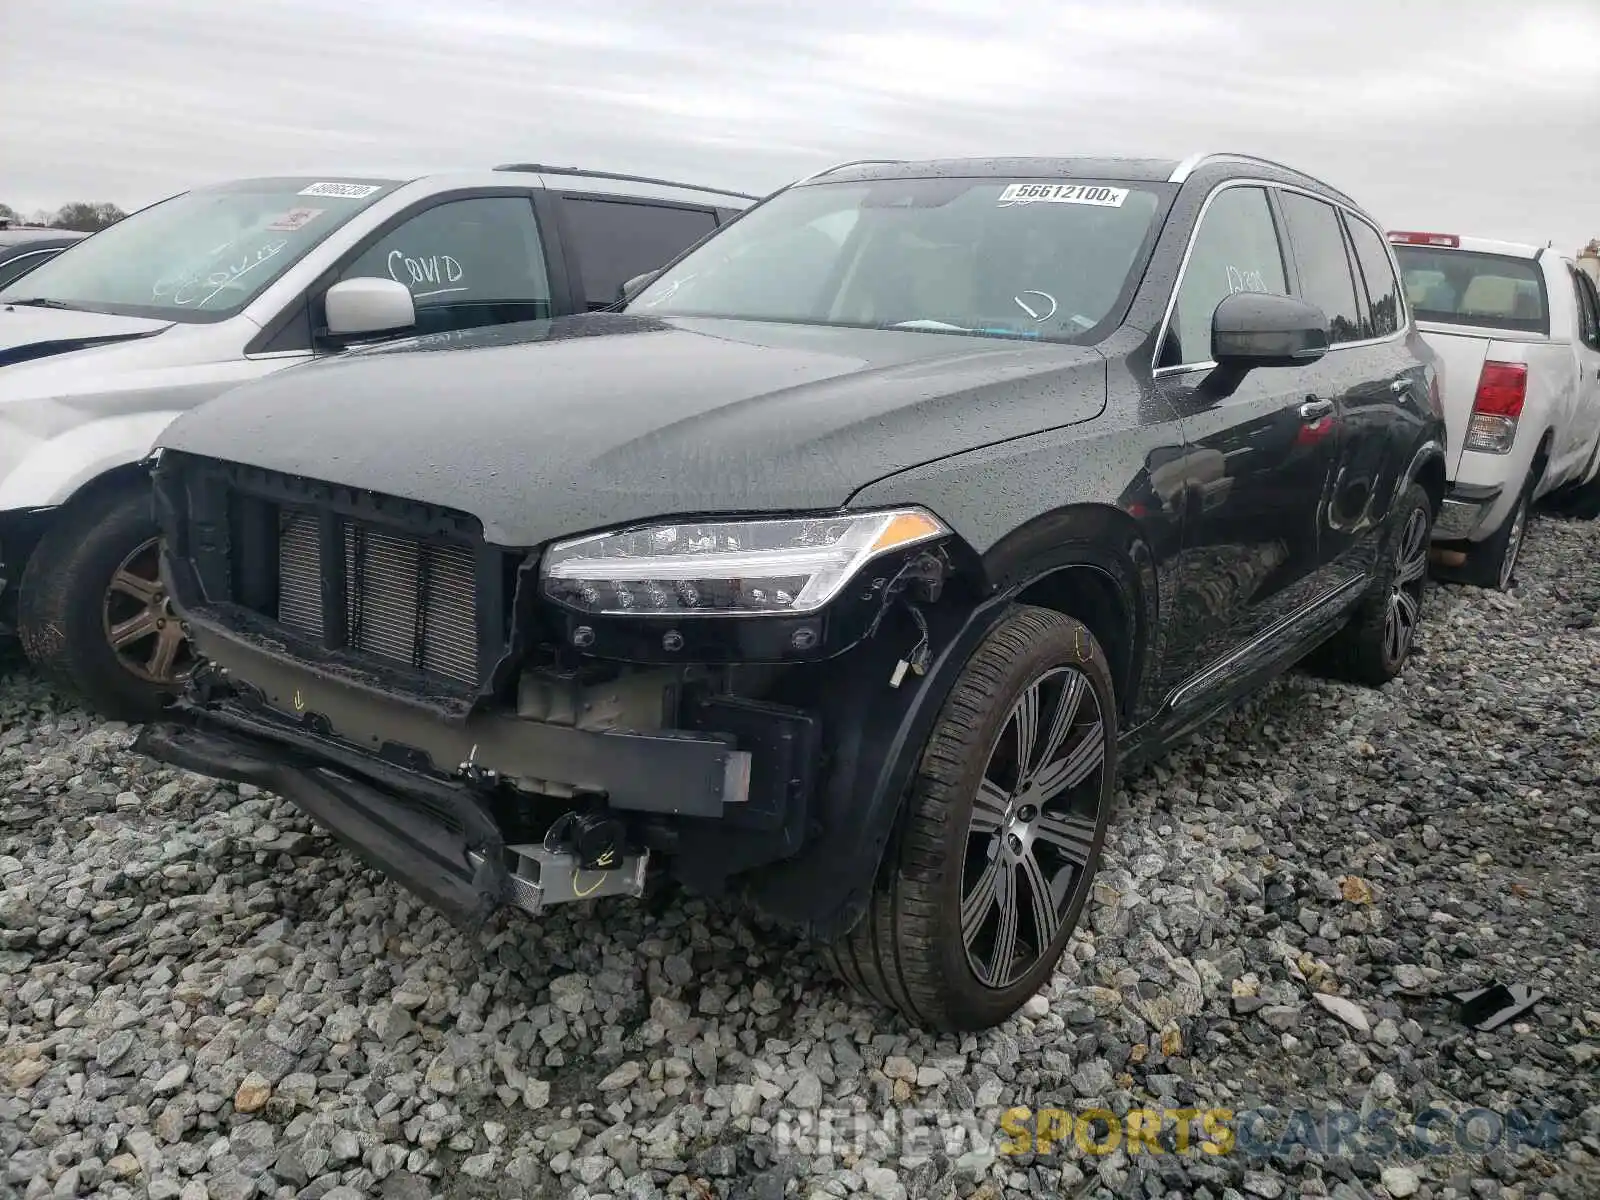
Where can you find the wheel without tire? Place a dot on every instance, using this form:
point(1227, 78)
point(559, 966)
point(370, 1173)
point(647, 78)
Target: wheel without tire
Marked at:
point(92, 613)
point(1374, 646)
point(1492, 563)
point(1005, 821)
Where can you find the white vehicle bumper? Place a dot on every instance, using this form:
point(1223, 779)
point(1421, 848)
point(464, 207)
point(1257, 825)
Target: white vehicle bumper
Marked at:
point(1467, 513)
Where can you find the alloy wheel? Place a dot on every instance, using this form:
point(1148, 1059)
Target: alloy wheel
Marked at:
point(148, 638)
point(1508, 562)
point(1031, 837)
point(1405, 594)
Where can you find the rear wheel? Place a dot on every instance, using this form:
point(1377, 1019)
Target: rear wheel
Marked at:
point(1006, 819)
point(1374, 646)
point(93, 614)
point(1492, 563)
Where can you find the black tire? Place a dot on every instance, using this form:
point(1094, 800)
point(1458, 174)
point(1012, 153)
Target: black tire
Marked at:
point(909, 950)
point(74, 592)
point(1492, 563)
point(1371, 649)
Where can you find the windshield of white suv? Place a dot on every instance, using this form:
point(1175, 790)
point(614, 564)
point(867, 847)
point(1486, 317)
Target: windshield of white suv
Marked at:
point(1028, 258)
point(201, 256)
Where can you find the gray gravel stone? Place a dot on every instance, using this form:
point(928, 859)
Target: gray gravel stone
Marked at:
point(204, 996)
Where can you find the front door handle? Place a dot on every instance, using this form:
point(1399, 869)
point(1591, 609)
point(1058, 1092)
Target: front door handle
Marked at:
point(1315, 410)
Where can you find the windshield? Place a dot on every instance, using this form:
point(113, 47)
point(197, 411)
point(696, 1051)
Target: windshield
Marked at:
point(1034, 259)
point(1464, 287)
point(200, 256)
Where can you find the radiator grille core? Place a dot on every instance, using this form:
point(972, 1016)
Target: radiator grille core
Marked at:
point(406, 601)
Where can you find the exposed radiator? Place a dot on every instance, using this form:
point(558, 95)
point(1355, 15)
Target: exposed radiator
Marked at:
point(407, 602)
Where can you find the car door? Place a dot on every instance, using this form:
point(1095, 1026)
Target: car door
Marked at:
point(1256, 461)
point(1345, 268)
point(469, 261)
point(1586, 350)
point(610, 239)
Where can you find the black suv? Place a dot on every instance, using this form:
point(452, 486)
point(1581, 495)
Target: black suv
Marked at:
point(841, 570)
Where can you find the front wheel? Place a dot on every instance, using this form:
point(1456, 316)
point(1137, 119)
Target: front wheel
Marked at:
point(1005, 822)
point(92, 612)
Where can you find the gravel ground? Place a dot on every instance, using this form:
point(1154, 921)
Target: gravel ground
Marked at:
point(201, 997)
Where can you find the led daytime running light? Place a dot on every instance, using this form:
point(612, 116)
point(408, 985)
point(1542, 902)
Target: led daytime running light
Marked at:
point(737, 567)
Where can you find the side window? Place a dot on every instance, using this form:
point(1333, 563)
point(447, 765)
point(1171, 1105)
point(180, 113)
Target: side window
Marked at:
point(1235, 250)
point(1325, 277)
point(1588, 309)
point(1383, 291)
point(468, 263)
point(615, 240)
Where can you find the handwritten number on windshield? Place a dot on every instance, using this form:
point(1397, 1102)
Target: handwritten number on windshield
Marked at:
point(198, 288)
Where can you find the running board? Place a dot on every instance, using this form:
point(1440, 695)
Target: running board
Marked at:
point(541, 877)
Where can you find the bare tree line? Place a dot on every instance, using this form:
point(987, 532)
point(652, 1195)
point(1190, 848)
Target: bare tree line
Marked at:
point(86, 216)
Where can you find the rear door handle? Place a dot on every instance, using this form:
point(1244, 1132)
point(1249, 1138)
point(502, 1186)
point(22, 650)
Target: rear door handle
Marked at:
point(1315, 410)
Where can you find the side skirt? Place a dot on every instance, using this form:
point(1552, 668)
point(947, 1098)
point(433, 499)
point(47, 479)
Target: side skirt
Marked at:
point(1232, 678)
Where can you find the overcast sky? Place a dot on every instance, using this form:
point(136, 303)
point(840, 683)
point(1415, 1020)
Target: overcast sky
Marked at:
point(1478, 116)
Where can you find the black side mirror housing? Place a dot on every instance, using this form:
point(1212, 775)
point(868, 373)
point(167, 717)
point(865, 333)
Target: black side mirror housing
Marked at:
point(1262, 329)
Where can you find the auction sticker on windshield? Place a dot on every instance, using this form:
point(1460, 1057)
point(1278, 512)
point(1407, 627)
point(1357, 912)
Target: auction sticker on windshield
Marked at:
point(295, 218)
point(344, 191)
point(1063, 193)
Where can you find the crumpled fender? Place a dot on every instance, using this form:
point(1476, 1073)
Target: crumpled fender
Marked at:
point(874, 749)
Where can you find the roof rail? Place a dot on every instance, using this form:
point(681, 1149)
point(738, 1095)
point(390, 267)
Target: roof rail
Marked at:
point(541, 169)
point(1193, 163)
point(854, 162)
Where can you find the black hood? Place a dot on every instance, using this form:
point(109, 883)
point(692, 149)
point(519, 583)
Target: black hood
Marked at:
point(560, 427)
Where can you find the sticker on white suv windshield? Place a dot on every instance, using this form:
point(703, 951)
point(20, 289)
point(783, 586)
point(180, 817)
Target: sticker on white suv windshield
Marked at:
point(1063, 193)
point(344, 191)
point(295, 218)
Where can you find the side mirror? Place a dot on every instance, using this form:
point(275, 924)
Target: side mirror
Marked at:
point(363, 307)
point(637, 284)
point(1261, 329)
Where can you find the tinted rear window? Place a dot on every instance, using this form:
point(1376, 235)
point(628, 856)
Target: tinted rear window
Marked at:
point(618, 239)
point(1464, 287)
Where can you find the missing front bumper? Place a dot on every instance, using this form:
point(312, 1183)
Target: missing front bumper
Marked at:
point(437, 840)
point(664, 772)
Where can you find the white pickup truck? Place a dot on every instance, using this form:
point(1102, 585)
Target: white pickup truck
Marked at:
point(1517, 329)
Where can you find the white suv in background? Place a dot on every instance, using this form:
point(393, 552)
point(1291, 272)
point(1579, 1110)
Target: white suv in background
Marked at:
point(1517, 330)
point(105, 344)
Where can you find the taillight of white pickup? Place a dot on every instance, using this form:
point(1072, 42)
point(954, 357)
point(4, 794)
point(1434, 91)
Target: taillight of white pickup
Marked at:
point(1502, 391)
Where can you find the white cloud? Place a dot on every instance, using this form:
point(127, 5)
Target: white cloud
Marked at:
point(1415, 108)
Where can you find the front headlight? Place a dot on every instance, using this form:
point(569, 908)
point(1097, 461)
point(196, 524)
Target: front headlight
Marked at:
point(739, 567)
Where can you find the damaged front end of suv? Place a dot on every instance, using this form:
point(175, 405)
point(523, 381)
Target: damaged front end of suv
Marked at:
point(840, 572)
point(496, 726)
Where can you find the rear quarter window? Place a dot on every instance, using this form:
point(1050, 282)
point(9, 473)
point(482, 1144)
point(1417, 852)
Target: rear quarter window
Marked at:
point(616, 239)
point(1466, 287)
